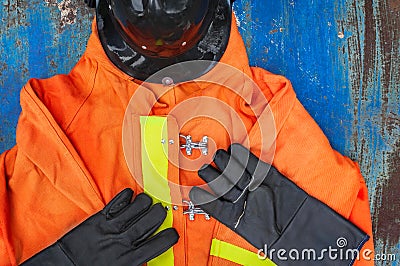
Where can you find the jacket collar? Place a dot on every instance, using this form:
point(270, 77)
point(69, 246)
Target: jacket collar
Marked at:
point(235, 56)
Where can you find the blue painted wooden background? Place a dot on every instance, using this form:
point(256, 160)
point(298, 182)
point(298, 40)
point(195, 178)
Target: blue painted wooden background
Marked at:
point(342, 57)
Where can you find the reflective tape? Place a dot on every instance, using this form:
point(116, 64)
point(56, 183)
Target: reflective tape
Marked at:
point(154, 150)
point(237, 254)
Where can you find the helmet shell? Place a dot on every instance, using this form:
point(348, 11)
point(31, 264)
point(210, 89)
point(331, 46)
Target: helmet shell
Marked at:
point(142, 37)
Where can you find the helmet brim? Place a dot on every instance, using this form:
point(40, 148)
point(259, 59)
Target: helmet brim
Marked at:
point(211, 47)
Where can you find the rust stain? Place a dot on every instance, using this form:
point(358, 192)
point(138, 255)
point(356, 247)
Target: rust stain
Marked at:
point(387, 211)
point(51, 2)
point(276, 30)
point(389, 36)
point(248, 38)
point(392, 125)
point(24, 70)
point(369, 47)
point(68, 12)
point(273, 31)
point(53, 64)
point(374, 75)
point(18, 43)
point(3, 68)
point(394, 5)
point(353, 48)
point(15, 13)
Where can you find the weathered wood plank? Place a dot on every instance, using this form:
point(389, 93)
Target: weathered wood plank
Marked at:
point(374, 66)
point(37, 39)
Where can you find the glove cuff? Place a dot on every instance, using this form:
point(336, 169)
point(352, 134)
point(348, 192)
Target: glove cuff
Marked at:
point(319, 236)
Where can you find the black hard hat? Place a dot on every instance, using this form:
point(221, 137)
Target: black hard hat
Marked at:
point(142, 37)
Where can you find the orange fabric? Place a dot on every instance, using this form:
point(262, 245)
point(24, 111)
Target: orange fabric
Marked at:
point(69, 161)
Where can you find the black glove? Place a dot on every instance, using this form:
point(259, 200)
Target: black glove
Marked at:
point(275, 215)
point(117, 235)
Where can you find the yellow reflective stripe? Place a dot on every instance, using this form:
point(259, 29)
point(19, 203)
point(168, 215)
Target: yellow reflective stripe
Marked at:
point(155, 172)
point(237, 254)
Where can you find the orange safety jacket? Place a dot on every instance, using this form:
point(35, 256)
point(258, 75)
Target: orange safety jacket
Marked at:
point(69, 159)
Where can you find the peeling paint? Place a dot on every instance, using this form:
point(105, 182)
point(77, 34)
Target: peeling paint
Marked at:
point(33, 44)
point(3, 69)
point(15, 11)
point(276, 30)
point(53, 64)
point(246, 20)
point(68, 12)
point(388, 228)
point(273, 31)
point(373, 63)
point(51, 2)
point(394, 5)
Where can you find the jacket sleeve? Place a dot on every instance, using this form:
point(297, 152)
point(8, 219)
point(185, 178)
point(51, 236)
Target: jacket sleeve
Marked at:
point(31, 212)
point(302, 152)
point(44, 189)
point(6, 251)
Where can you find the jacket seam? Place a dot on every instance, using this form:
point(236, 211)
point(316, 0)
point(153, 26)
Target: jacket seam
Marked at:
point(291, 220)
point(42, 112)
point(59, 244)
point(11, 255)
point(93, 75)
